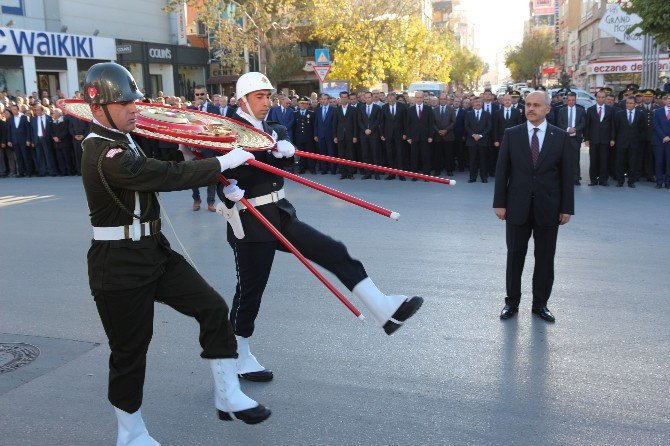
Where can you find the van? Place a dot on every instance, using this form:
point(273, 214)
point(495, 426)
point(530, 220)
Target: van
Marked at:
point(428, 86)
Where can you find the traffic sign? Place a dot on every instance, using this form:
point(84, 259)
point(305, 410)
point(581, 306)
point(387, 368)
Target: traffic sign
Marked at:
point(322, 56)
point(321, 71)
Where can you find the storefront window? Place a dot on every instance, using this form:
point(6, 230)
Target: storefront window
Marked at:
point(189, 77)
point(137, 72)
point(11, 79)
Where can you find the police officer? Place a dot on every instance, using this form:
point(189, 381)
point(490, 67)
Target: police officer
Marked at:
point(303, 134)
point(254, 246)
point(130, 262)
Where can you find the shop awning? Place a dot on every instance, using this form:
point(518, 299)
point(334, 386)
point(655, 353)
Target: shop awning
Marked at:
point(549, 70)
point(227, 79)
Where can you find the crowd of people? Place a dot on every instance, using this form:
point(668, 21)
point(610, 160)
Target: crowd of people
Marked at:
point(423, 132)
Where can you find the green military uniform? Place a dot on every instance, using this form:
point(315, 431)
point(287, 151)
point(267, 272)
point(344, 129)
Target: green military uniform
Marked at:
point(127, 276)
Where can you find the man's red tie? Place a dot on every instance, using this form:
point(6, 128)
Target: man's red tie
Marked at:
point(535, 147)
point(420, 108)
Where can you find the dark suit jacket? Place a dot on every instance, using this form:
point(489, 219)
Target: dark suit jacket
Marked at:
point(550, 183)
point(482, 127)
point(209, 108)
point(393, 126)
point(494, 107)
point(522, 110)
point(661, 127)
point(629, 135)
point(77, 126)
point(4, 132)
point(595, 131)
point(324, 129)
point(459, 128)
point(22, 133)
point(580, 121)
point(60, 130)
point(500, 124)
point(228, 111)
point(420, 130)
point(303, 130)
point(286, 119)
point(47, 129)
point(345, 127)
point(371, 122)
point(446, 122)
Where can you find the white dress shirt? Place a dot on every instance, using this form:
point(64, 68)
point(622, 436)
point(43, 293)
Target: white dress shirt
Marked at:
point(540, 133)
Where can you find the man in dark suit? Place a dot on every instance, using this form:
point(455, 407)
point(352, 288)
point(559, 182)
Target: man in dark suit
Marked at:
point(345, 130)
point(460, 150)
point(420, 127)
point(41, 142)
point(504, 118)
point(443, 143)
point(478, 128)
point(283, 114)
point(369, 120)
point(78, 129)
point(646, 161)
point(323, 131)
point(392, 130)
point(517, 105)
point(572, 119)
point(661, 142)
point(62, 144)
point(201, 103)
point(599, 138)
point(629, 128)
point(304, 134)
point(19, 139)
point(226, 109)
point(534, 194)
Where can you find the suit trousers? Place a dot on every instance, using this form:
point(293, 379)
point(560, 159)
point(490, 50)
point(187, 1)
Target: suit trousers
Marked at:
point(4, 171)
point(24, 159)
point(12, 168)
point(253, 261)
point(46, 162)
point(443, 155)
point(326, 147)
point(420, 155)
point(461, 152)
point(65, 161)
point(77, 154)
point(478, 160)
point(626, 163)
point(646, 161)
point(394, 152)
point(370, 150)
point(662, 163)
point(544, 238)
point(599, 162)
point(306, 163)
point(127, 317)
point(345, 150)
point(576, 145)
point(493, 159)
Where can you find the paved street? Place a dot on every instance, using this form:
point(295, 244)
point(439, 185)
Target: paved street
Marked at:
point(454, 375)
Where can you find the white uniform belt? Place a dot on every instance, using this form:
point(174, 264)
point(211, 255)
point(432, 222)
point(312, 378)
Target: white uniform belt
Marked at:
point(125, 232)
point(264, 199)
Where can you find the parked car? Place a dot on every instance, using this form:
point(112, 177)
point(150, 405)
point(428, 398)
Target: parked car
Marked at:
point(430, 86)
point(584, 98)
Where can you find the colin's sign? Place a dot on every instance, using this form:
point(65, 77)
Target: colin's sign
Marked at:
point(23, 42)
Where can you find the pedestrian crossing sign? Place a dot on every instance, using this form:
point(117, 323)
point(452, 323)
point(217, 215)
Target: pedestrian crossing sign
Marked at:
point(322, 56)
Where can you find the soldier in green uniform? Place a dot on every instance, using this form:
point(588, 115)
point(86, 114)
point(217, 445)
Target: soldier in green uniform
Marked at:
point(131, 264)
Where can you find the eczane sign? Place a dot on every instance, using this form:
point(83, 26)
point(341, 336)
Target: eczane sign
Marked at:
point(623, 66)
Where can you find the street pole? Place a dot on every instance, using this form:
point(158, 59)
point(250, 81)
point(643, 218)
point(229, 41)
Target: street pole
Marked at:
point(650, 56)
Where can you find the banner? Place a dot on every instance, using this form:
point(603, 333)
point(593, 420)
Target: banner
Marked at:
point(616, 22)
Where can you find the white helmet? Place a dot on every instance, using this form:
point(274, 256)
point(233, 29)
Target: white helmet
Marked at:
point(252, 81)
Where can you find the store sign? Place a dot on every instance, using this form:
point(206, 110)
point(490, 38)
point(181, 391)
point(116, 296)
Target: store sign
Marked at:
point(616, 22)
point(623, 66)
point(181, 25)
point(160, 53)
point(24, 42)
point(543, 7)
point(124, 49)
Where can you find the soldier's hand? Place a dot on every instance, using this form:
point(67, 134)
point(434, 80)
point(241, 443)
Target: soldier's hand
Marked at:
point(284, 149)
point(232, 191)
point(234, 158)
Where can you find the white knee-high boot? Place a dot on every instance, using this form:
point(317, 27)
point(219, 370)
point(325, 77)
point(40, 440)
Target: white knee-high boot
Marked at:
point(228, 397)
point(380, 305)
point(246, 361)
point(132, 431)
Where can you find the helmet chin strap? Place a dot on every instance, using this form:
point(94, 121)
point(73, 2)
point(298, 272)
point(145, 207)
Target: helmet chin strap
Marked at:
point(109, 117)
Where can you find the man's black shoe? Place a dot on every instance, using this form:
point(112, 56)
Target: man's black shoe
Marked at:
point(619, 184)
point(414, 179)
point(508, 311)
point(402, 178)
point(301, 171)
point(449, 173)
point(366, 177)
point(545, 314)
point(377, 177)
point(604, 183)
point(261, 377)
point(343, 177)
point(667, 185)
point(577, 183)
point(404, 312)
point(390, 177)
point(471, 180)
point(658, 186)
point(485, 180)
point(593, 183)
point(631, 184)
point(324, 173)
point(254, 415)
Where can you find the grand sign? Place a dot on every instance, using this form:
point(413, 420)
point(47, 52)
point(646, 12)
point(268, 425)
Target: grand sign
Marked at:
point(24, 42)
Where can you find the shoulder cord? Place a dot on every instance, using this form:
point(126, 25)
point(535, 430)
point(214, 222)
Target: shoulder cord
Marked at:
point(110, 145)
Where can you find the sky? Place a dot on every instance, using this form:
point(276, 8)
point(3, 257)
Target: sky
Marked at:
point(498, 24)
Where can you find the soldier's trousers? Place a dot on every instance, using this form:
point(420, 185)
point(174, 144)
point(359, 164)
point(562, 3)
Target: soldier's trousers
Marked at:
point(253, 261)
point(127, 317)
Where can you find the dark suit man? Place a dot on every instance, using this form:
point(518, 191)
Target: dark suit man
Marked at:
point(534, 194)
point(323, 132)
point(304, 134)
point(661, 142)
point(572, 119)
point(460, 151)
point(629, 128)
point(369, 119)
point(41, 142)
point(201, 103)
point(478, 128)
point(599, 137)
point(19, 139)
point(505, 117)
point(78, 130)
point(443, 143)
point(226, 109)
point(420, 128)
point(646, 161)
point(62, 144)
point(392, 130)
point(345, 129)
point(283, 114)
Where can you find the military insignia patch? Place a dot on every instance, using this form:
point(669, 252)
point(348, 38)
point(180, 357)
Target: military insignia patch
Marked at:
point(113, 152)
point(92, 92)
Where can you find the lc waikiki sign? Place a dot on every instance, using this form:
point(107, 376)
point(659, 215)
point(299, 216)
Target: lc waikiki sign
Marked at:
point(24, 42)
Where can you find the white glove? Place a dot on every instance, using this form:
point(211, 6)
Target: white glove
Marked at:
point(234, 158)
point(188, 154)
point(232, 192)
point(284, 149)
